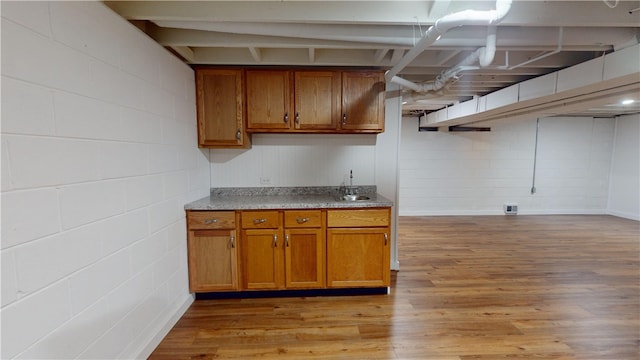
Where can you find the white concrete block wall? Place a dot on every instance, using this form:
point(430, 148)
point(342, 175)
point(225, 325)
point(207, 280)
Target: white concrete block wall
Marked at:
point(299, 160)
point(99, 157)
point(624, 189)
point(448, 173)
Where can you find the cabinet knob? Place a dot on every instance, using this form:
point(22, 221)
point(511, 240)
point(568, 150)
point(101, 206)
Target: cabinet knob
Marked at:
point(210, 221)
point(386, 238)
point(297, 118)
point(233, 241)
point(300, 220)
point(259, 221)
point(286, 118)
point(286, 240)
point(344, 118)
point(275, 240)
point(238, 135)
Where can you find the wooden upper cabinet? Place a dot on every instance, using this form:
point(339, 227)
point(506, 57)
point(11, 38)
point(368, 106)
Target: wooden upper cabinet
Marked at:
point(317, 100)
point(233, 103)
point(269, 105)
point(363, 101)
point(220, 108)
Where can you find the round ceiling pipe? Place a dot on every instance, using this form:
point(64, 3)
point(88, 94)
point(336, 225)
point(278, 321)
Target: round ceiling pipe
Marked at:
point(444, 24)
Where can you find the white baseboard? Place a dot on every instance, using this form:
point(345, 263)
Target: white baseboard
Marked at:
point(625, 215)
point(164, 327)
point(500, 212)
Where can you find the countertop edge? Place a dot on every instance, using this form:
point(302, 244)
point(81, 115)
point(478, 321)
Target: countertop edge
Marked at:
point(283, 202)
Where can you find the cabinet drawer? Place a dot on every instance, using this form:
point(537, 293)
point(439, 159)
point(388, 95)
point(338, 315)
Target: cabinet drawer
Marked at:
point(261, 219)
point(358, 218)
point(303, 219)
point(211, 220)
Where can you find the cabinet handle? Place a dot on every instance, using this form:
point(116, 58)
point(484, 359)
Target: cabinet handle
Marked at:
point(286, 240)
point(297, 118)
point(275, 240)
point(300, 220)
point(344, 118)
point(286, 118)
point(210, 221)
point(238, 135)
point(233, 241)
point(386, 238)
point(259, 221)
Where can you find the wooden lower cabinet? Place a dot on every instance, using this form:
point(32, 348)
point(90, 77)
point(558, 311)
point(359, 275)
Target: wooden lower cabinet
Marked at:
point(358, 248)
point(304, 259)
point(293, 258)
point(305, 249)
point(262, 267)
point(288, 249)
point(212, 251)
point(358, 258)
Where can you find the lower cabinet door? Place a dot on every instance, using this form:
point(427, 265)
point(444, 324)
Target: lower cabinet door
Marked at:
point(358, 257)
point(213, 260)
point(262, 263)
point(305, 258)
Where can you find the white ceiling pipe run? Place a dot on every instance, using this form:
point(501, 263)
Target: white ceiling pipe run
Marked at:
point(483, 55)
point(444, 24)
point(488, 52)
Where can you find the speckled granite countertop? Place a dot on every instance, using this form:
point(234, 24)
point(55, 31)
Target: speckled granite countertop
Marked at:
point(322, 197)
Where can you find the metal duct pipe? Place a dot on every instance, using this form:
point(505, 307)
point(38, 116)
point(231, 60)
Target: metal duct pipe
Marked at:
point(488, 52)
point(484, 55)
point(444, 24)
point(429, 38)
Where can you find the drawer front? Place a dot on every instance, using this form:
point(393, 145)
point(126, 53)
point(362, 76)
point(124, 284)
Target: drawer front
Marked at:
point(211, 220)
point(261, 219)
point(303, 219)
point(358, 218)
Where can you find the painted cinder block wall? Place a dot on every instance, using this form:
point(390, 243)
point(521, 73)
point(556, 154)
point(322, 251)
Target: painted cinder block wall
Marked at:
point(624, 185)
point(99, 157)
point(475, 173)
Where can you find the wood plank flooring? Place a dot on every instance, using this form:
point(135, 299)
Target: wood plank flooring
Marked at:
point(470, 287)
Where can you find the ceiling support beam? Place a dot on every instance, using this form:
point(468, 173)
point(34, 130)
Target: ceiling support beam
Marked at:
point(553, 13)
point(396, 55)
point(445, 56)
point(184, 51)
point(312, 55)
point(439, 8)
point(256, 54)
point(379, 55)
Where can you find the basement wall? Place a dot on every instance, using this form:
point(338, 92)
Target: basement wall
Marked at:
point(475, 173)
point(624, 189)
point(99, 157)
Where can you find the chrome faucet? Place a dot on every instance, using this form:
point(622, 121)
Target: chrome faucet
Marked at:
point(350, 190)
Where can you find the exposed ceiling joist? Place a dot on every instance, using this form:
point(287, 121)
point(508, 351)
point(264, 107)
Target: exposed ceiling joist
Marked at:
point(373, 33)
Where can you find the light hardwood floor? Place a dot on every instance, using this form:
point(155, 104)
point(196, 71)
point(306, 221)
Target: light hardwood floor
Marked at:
point(481, 287)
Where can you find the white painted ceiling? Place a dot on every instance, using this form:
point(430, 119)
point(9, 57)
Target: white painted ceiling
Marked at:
point(554, 34)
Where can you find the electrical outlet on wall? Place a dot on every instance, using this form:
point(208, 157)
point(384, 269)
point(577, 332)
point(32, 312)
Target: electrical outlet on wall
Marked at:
point(510, 209)
point(265, 180)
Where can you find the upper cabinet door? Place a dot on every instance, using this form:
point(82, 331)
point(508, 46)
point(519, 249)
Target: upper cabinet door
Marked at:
point(220, 107)
point(363, 101)
point(269, 95)
point(317, 100)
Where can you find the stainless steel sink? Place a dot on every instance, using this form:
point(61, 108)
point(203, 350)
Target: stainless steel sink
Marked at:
point(354, 198)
